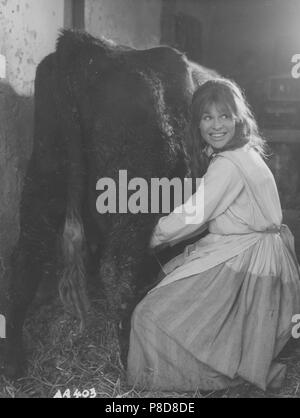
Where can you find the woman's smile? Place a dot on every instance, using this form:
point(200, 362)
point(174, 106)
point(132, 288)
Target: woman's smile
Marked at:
point(218, 134)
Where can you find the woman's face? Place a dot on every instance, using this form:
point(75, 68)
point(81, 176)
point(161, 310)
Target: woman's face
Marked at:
point(217, 126)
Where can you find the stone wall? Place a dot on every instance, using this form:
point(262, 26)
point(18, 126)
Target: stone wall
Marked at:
point(16, 115)
point(28, 32)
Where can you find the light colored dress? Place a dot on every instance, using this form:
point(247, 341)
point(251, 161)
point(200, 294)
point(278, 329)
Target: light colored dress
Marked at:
point(224, 310)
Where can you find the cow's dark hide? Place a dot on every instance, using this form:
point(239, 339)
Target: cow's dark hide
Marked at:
point(99, 108)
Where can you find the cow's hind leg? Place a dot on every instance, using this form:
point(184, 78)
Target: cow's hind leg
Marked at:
point(122, 274)
point(120, 296)
point(42, 211)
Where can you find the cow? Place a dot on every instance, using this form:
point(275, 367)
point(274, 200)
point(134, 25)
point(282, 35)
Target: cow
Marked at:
point(99, 108)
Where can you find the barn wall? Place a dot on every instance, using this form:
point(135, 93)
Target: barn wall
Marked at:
point(129, 22)
point(269, 28)
point(201, 11)
point(28, 30)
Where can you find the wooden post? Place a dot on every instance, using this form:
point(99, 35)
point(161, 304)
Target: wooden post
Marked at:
point(74, 14)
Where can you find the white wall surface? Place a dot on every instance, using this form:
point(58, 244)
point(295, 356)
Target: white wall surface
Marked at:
point(129, 22)
point(28, 32)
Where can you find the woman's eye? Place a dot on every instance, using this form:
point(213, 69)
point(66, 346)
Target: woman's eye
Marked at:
point(225, 116)
point(206, 117)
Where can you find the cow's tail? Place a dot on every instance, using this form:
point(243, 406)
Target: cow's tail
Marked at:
point(72, 287)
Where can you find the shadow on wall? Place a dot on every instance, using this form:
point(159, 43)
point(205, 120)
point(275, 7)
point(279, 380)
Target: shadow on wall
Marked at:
point(16, 135)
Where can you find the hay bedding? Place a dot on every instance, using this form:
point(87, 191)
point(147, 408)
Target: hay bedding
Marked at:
point(59, 358)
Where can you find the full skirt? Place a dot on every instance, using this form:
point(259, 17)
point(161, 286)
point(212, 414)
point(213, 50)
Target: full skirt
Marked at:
point(217, 328)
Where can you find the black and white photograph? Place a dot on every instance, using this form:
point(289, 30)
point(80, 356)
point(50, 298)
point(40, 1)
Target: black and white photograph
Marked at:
point(150, 201)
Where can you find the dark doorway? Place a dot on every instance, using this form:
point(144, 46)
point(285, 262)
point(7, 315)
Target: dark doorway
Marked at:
point(188, 36)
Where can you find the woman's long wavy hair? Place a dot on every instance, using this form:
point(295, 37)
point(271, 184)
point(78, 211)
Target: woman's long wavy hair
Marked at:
point(225, 94)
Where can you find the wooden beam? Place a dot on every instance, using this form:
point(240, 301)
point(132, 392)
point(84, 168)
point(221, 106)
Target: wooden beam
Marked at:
point(78, 14)
point(74, 14)
point(68, 14)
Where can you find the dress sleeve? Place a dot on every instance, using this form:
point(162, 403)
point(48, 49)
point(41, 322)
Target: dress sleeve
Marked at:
point(221, 185)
